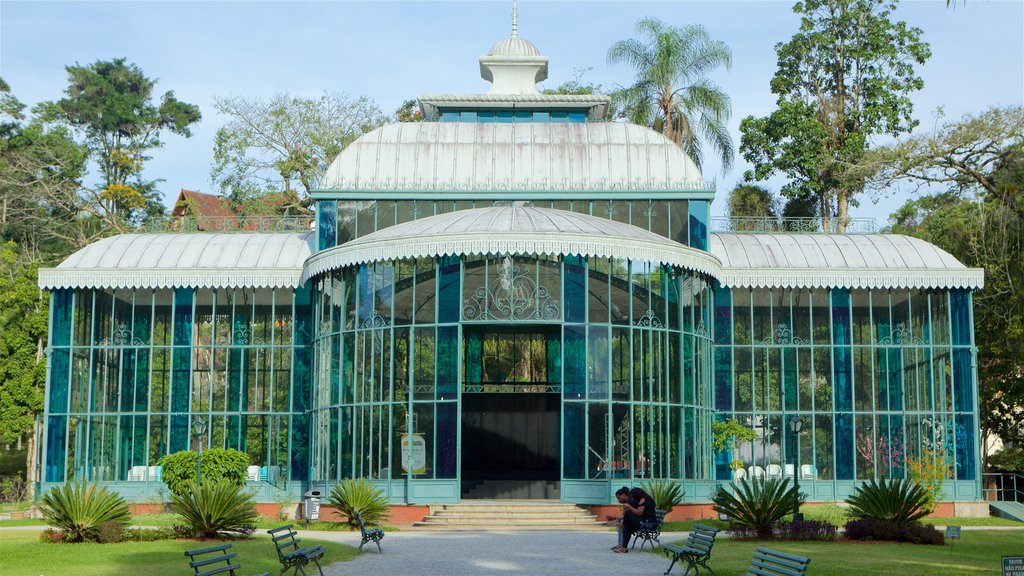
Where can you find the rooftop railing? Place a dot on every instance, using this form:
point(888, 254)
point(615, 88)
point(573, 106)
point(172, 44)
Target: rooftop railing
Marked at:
point(791, 225)
point(223, 224)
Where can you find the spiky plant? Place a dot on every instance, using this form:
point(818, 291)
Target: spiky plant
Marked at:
point(666, 494)
point(78, 509)
point(216, 508)
point(758, 504)
point(360, 495)
point(902, 501)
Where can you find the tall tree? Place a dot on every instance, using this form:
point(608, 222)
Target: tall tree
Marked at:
point(114, 107)
point(975, 170)
point(285, 143)
point(843, 78)
point(671, 92)
point(752, 208)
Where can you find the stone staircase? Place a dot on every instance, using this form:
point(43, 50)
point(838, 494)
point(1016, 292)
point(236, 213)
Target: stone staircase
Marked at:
point(511, 515)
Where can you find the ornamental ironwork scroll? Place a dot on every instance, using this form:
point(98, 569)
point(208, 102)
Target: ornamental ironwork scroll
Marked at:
point(122, 337)
point(783, 335)
point(514, 294)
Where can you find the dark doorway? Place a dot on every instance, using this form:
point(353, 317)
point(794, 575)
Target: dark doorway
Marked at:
point(510, 445)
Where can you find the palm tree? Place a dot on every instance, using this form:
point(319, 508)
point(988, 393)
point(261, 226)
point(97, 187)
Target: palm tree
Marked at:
point(671, 93)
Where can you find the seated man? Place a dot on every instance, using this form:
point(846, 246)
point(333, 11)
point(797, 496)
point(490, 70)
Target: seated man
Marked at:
point(632, 514)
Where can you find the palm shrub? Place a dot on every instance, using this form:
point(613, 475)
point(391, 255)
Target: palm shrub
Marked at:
point(79, 509)
point(901, 501)
point(215, 508)
point(360, 495)
point(666, 494)
point(758, 504)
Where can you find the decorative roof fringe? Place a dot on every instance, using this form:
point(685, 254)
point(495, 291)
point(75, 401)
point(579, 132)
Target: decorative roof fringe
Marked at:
point(54, 278)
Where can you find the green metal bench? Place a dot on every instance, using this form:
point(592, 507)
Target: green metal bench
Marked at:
point(648, 533)
point(768, 562)
point(696, 552)
point(374, 535)
point(298, 557)
point(202, 566)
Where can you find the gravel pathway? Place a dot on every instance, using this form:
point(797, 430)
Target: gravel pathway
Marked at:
point(498, 553)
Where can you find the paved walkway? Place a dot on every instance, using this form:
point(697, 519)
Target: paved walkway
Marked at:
point(497, 553)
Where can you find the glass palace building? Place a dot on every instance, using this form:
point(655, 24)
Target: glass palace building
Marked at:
point(512, 298)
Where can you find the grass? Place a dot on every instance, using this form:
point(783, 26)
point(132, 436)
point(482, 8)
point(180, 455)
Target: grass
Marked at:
point(978, 553)
point(167, 519)
point(24, 555)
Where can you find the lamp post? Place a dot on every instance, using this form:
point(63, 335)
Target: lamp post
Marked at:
point(796, 426)
point(199, 429)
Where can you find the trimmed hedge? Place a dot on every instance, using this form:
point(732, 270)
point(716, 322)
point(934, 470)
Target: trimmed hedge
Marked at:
point(872, 529)
point(218, 464)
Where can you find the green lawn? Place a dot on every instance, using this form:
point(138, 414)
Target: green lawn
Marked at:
point(23, 555)
point(978, 553)
point(167, 520)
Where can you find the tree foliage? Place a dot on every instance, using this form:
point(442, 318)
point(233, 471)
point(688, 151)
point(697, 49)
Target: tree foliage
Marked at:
point(843, 78)
point(576, 84)
point(974, 168)
point(747, 201)
point(672, 93)
point(285, 143)
point(23, 323)
point(179, 469)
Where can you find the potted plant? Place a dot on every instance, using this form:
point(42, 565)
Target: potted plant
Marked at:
point(736, 464)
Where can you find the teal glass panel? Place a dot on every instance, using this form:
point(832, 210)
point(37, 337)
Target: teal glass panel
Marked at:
point(577, 117)
point(965, 447)
point(447, 456)
point(327, 223)
point(503, 116)
point(575, 278)
point(300, 447)
point(790, 393)
point(469, 116)
point(60, 368)
point(894, 380)
point(61, 305)
point(447, 362)
point(554, 357)
point(841, 353)
point(598, 362)
point(541, 117)
point(183, 316)
point(575, 361)
point(844, 446)
point(523, 116)
point(449, 117)
point(179, 439)
point(574, 445)
point(448, 297)
point(698, 224)
point(56, 429)
point(302, 354)
point(960, 316)
point(963, 380)
point(473, 362)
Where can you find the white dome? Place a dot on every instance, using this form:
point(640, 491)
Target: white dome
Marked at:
point(514, 46)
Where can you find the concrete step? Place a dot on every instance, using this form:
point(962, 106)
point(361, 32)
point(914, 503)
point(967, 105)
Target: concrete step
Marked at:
point(433, 519)
point(513, 527)
point(511, 514)
point(1010, 510)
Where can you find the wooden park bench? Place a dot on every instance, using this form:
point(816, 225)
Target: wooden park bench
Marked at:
point(648, 533)
point(768, 562)
point(298, 557)
point(696, 552)
point(374, 535)
point(202, 566)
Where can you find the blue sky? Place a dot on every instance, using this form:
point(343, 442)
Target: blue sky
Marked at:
point(393, 51)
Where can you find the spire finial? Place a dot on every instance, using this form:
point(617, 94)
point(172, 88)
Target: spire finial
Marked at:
point(515, 18)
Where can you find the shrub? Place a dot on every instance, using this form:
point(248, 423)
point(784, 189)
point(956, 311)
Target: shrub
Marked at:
point(666, 494)
point(873, 529)
point(218, 464)
point(149, 534)
point(830, 513)
point(758, 504)
point(806, 530)
point(78, 510)
point(109, 532)
point(930, 471)
point(351, 496)
point(13, 489)
point(216, 508)
point(52, 536)
point(899, 501)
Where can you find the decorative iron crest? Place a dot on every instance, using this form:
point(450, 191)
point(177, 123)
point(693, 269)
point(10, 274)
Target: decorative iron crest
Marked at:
point(649, 320)
point(901, 334)
point(783, 335)
point(513, 295)
point(122, 337)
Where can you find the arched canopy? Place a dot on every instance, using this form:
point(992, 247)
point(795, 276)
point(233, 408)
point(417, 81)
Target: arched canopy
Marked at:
point(511, 230)
point(199, 260)
point(833, 260)
point(593, 156)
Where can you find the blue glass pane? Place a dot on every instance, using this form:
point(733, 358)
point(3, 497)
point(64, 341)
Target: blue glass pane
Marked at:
point(789, 379)
point(503, 116)
point(844, 446)
point(966, 438)
point(960, 316)
point(447, 362)
point(575, 288)
point(448, 297)
point(300, 447)
point(723, 315)
point(468, 117)
point(183, 316)
point(541, 117)
point(179, 433)
point(963, 380)
point(698, 224)
point(56, 429)
point(327, 223)
point(474, 343)
point(449, 117)
point(577, 117)
point(302, 367)
point(599, 362)
point(723, 379)
point(841, 353)
point(573, 439)
point(61, 303)
point(60, 368)
point(554, 353)
point(895, 378)
point(575, 364)
point(447, 440)
point(523, 117)
point(559, 118)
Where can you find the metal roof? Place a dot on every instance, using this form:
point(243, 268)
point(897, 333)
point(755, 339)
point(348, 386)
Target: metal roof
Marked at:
point(171, 260)
point(427, 156)
point(511, 230)
point(838, 260)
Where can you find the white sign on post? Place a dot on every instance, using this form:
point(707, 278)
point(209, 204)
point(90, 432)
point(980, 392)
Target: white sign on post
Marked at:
point(414, 453)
